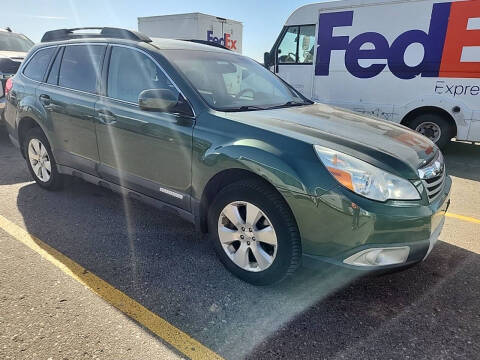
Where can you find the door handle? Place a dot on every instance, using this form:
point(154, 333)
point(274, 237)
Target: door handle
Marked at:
point(106, 117)
point(44, 99)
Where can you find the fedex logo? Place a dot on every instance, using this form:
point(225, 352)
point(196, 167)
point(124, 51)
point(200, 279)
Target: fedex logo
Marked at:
point(450, 33)
point(225, 41)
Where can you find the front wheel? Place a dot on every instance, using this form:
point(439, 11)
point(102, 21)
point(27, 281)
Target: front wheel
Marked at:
point(435, 127)
point(254, 232)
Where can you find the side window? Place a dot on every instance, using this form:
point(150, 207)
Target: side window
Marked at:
point(297, 45)
point(306, 44)
point(37, 66)
point(287, 50)
point(80, 68)
point(130, 72)
point(53, 75)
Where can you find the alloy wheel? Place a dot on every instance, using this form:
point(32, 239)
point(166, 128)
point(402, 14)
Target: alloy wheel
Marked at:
point(39, 160)
point(247, 236)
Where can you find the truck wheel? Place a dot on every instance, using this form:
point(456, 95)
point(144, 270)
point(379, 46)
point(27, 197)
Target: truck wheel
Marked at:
point(254, 232)
point(435, 127)
point(40, 160)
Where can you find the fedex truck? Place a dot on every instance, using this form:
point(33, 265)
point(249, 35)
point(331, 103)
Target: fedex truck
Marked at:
point(415, 62)
point(194, 26)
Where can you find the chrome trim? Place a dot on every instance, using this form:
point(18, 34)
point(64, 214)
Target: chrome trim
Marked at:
point(171, 193)
point(435, 170)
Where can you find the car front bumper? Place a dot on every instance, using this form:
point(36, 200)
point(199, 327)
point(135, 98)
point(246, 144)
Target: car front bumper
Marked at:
point(339, 226)
point(2, 107)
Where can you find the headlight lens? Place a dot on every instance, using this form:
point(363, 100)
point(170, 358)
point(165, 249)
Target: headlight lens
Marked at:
point(365, 179)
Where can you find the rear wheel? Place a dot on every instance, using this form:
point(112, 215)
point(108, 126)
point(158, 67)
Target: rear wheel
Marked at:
point(40, 160)
point(435, 127)
point(254, 232)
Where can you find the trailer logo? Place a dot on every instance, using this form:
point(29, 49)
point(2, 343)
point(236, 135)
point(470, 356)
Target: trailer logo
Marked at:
point(225, 41)
point(449, 35)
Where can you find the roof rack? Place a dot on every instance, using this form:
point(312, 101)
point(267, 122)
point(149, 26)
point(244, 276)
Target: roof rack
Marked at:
point(7, 29)
point(105, 32)
point(210, 43)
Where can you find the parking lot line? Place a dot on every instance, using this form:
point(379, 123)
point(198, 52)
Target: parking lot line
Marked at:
point(464, 218)
point(162, 328)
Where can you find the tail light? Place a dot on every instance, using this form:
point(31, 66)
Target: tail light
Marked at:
point(8, 86)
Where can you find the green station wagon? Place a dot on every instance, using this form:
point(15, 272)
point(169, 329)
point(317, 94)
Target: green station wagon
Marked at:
point(274, 178)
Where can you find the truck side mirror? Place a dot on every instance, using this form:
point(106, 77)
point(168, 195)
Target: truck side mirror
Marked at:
point(267, 60)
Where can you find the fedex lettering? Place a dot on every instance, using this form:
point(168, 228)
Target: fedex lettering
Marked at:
point(444, 42)
point(225, 41)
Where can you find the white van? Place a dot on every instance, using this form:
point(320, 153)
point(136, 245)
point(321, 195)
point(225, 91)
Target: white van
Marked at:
point(415, 62)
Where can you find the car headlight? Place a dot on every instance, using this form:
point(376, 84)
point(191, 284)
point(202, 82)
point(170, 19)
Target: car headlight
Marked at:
point(365, 179)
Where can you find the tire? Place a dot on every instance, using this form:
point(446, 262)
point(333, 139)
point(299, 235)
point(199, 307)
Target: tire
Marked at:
point(271, 213)
point(430, 123)
point(38, 151)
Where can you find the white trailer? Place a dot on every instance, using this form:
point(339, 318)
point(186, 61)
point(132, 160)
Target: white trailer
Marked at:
point(415, 62)
point(194, 26)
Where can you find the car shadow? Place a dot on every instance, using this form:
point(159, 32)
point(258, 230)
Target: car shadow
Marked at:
point(159, 260)
point(463, 160)
point(9, 174)
point(426, 312)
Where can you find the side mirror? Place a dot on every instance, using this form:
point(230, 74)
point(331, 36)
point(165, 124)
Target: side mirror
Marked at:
point(267, 60)
point(157, 100)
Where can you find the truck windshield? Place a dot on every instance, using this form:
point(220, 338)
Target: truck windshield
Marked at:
point(14, 42)
point(230, 82)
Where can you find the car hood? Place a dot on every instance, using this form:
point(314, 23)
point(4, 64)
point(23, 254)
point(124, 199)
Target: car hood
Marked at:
point(13, 55)
point(384, 144)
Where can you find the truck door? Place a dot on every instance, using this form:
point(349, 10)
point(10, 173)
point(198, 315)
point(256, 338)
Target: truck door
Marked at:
point(295, 55)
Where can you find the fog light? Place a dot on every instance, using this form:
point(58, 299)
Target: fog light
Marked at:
point(379, 256)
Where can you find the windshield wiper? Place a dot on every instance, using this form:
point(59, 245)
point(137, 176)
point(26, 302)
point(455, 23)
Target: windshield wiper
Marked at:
point(289, 104)
point(243, 108)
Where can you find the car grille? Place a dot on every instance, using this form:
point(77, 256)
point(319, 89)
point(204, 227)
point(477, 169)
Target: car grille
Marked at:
point(433, 176)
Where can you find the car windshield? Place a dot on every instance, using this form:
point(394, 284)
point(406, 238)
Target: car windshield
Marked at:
point(230, 82)
point(14, 42)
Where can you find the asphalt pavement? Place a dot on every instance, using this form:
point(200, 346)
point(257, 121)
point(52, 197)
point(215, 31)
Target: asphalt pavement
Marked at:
point(430, 311)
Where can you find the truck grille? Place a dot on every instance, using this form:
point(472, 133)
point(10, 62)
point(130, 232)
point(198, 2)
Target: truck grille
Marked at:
point(433, 176)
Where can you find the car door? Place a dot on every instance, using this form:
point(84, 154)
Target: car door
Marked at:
point(295, 55)
point(68, 97)
point(146, 151)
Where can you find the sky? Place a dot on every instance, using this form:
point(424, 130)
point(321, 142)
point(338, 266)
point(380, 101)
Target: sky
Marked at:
point(262, 20)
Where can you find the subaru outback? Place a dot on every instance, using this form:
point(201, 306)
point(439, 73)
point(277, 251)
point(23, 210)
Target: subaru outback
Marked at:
point(273, 177)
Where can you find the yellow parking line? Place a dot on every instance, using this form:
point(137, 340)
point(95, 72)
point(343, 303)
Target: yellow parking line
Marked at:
point(162, 328)
point(464, 218)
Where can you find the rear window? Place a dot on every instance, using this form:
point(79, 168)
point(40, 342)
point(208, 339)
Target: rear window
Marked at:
point(14, 42)
point(37, 66)
point(81, 66)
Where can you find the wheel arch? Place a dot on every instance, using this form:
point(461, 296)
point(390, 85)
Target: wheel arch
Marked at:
point(24, 125)
point(218, 182)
